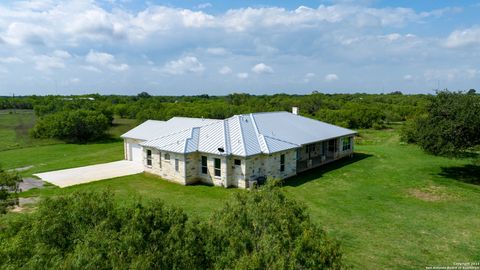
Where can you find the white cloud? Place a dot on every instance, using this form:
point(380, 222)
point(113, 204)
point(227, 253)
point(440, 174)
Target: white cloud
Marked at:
point(465, 37)
point(47, 63)
point(120, 67)
point(217, 51)
point(106, 60)
point(186, 64)
point(74, 80)
point(450, 74)
point(308, 77)
point(99, 58)
point(225, 70)
point(261, 68)
point(20, 34)
point(10, 60)
point(331, 77)
point(91, 68)
point(204, 5)
point(408, 77)
point(62, 54)
point(242, 75)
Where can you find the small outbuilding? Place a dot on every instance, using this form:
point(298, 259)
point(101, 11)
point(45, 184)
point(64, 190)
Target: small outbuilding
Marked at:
point(238, 151)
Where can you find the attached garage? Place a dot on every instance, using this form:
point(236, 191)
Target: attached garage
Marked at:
point(133, 150)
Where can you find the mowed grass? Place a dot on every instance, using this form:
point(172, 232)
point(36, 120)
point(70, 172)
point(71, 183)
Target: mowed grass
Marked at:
point(14, 129)
point(391, 206)
point(19, 150)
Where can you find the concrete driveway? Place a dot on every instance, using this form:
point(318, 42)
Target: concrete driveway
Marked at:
point(80, 175)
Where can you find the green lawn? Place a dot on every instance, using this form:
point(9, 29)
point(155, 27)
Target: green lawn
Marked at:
point(18, 150)
point(391, 206)
point(14, 130)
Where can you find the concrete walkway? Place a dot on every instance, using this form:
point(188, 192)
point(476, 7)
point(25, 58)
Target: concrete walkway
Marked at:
point(81, 175)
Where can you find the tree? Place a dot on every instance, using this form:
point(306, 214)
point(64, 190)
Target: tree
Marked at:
point(451, 125)
point(72, 126)
point(264, 229)
point(92, 231)
point(144, 95)
point(8, 190)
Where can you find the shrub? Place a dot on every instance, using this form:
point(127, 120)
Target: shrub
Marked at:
point(8, 190)
point(264, 229)
point(72, 126)
point(91, 231)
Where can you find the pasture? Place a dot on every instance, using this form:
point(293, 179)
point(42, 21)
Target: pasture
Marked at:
point(391, 206)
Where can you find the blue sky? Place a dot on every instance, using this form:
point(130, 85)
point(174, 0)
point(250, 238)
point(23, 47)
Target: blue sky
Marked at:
point(218, 47)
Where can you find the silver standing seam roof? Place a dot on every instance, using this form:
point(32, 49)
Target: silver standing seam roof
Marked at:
point(240, 135)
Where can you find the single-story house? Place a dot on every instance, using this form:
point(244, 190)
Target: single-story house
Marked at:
point(237, 151)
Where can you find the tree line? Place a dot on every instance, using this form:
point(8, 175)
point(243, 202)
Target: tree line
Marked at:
point(348, 110)
point(443, 123)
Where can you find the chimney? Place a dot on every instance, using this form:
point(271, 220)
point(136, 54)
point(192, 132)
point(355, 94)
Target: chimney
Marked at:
point(295, 110)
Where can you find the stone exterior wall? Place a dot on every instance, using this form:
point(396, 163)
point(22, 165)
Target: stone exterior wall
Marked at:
point(341, 153)
point(195, 169)
point(166, 168)
point(232, 175)
point(269, 165)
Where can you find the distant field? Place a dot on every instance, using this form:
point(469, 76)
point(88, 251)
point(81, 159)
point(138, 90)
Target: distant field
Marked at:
point(391, 206)
point(18, 150)
point(14, 130)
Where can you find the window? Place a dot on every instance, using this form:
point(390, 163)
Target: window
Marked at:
point(218, 164)
point(310, 148)
point(149, 157)
point(282, 163)
point(346, 143)
point(167, 156)
point(237, 162)
point(324, 148)
point(331, 145)
point(176, 164)
point(204, 165)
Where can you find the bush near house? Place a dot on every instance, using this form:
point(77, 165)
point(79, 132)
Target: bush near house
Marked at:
point(91, 231)
point(72, 126)
point(8, 190)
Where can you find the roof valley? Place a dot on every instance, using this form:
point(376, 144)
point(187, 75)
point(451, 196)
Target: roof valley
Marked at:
point(261, 139)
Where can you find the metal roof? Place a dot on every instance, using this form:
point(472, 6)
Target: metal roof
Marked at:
point(152, 129)
point(240, 135)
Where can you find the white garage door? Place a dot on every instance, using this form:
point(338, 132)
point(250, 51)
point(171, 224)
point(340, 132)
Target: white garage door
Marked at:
point(136, 153)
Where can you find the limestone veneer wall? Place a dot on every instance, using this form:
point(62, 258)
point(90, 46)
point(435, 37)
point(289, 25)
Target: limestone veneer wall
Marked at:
point(194, 167)
point(189, 169)
point(269, 165)
point(166, 168)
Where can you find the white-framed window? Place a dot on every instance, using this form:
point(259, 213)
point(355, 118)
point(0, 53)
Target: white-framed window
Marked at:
point(149, 157)
point(237, 162)
point(176, 164)
point(282, 162)
point(346, 143)
point(167, 157)
point(204, 165)
point(218, 167)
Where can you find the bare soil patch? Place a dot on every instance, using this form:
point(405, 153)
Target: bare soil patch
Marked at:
point(430, 194)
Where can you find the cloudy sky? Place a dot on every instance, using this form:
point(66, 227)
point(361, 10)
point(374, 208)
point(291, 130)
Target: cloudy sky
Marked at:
point(218, 47)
